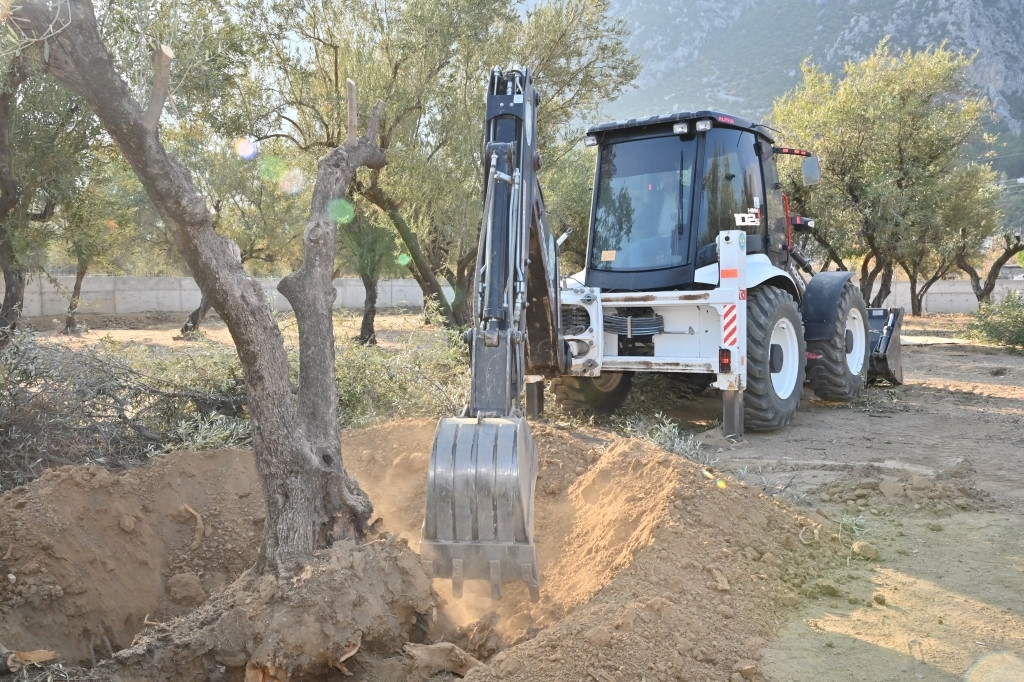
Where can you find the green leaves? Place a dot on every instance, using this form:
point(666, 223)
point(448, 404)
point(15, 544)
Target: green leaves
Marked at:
point(260, 193)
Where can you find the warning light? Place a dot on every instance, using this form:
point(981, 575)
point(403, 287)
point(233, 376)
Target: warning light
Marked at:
point(724, 361)
point(791, 151)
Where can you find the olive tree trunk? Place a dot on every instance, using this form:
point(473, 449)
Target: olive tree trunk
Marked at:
point(14, 288)
point(367, 332)
point(310, 496)
point(984, 286)
point(195, 318)
point(10, 196)
point(71, 316)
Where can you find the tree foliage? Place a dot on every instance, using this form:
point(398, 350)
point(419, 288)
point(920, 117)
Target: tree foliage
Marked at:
point(259, 196)
point(55, 141)
point(1001, 322)
point(45, 136)
point(897, 190)
point(431, 65)
point(368, 248)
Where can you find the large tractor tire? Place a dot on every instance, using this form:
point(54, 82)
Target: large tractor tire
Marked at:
point(839, 374)
point(602, 394)
point(776, 354)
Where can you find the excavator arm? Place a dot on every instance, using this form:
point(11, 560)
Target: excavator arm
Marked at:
point(516, 306)
point(478, 522)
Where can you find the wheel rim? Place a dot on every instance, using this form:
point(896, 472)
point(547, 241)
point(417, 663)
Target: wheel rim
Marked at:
point(784, 335)
point(607, 381)
point(855, 327)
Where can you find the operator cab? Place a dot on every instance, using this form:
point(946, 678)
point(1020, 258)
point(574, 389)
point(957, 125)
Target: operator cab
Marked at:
point(666, 186)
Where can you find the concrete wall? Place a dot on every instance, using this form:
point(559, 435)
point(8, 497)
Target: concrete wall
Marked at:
point(120, 295)
point(949, 296)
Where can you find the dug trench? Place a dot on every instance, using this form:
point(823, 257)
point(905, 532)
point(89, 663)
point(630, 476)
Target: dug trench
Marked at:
point(879, 556)
point(635, 543)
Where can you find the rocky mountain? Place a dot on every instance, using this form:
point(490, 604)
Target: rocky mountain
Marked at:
point(738, 56)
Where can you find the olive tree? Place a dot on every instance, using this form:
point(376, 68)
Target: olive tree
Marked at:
point(897, 189)
point(310, 497)
point(96, 224)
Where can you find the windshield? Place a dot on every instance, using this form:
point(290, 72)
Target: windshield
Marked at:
point(642, 211)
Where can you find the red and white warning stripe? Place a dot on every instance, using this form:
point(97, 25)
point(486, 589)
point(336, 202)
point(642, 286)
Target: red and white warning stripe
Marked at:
point(730, 337)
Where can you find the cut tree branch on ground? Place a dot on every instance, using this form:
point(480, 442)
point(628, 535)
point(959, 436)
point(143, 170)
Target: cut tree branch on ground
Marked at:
point(430, 659)
point(200, 531)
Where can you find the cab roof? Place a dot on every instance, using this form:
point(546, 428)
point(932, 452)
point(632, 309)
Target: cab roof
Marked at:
point(666, 120)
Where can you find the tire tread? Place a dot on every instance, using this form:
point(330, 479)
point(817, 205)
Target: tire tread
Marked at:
point(763, 410)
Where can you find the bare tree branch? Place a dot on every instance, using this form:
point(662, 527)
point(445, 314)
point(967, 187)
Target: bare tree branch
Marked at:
point(161, 87)
point(353, 112)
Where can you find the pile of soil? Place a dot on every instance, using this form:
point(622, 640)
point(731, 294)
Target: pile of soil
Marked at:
point(633, 542)
point(91, 556)
point(871, 490)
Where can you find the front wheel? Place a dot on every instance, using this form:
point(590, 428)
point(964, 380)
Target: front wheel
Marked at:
point(602, 394)
point(839, 373)
point(776, 353)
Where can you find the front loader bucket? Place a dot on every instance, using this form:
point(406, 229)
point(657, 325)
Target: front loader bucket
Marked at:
point(479, 513)
point(885, 362)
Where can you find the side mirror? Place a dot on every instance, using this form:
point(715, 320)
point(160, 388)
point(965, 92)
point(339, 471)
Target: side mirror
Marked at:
point(801, 224)
point(812, 170)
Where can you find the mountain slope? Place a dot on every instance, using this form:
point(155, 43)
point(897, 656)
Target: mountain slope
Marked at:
point(738, 57)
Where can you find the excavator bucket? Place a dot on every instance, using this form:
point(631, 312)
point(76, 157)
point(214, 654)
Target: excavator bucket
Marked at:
point(885, 362)
point(479, 511)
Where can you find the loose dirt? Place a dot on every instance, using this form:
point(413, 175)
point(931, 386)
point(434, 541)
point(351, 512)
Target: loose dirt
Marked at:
point(875, 541)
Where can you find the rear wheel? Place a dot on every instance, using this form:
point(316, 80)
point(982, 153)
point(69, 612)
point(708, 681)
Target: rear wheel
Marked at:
point(602, 394)
point(776, 353)
point(839, 373)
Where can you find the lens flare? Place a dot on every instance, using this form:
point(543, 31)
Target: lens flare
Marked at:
point(245, 148)
point(272, 168)
point(292, 181)
point(341, 211)
point(403, 259)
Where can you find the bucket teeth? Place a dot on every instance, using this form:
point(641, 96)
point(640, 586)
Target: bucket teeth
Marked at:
point(479, 510)
point(457, 577)
point(495, 578)
point(885, 362)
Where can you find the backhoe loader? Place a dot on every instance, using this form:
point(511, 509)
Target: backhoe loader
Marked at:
point(691, 269)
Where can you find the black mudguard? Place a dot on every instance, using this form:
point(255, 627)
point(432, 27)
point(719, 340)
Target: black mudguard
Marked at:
point(821, 302)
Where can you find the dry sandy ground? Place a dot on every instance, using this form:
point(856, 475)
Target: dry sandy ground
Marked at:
point(867, 542)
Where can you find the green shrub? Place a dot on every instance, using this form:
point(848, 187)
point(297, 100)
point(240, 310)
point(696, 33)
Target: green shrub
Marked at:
point(426, 374)
point(1002, 322)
